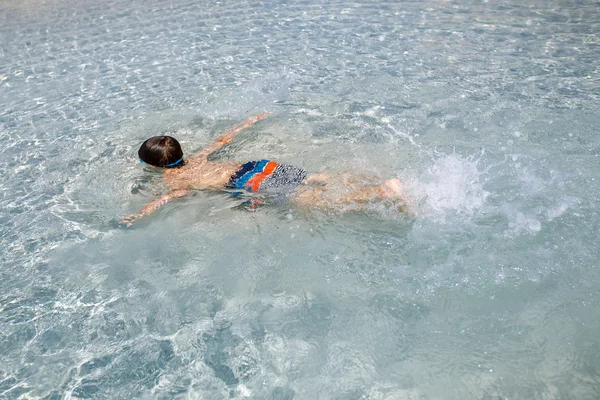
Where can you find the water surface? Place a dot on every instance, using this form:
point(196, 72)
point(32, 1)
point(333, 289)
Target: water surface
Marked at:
point(487, 111)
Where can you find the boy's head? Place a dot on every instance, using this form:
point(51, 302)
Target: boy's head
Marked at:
point(161, 151)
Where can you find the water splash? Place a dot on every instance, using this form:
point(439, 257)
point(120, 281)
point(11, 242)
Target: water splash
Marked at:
point(452, 185)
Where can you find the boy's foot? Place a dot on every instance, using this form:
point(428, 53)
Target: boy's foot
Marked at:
point(391, 188)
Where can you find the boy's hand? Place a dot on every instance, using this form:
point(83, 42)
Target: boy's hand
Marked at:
point(248, 122)
point(128, 220)
point(227, 136)
point(252, 120)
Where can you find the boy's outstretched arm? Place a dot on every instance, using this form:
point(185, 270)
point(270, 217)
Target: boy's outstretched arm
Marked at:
point(154, 205)
point(227, 136)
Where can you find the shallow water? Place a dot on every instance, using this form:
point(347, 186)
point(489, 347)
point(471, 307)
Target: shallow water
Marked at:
point(488, 112)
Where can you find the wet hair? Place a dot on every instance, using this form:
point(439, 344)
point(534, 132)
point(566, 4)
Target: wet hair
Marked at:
point(161, 151)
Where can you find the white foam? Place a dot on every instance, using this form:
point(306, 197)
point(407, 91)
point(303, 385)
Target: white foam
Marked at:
point(561, 208)
point(521, 223)
point(403, 135)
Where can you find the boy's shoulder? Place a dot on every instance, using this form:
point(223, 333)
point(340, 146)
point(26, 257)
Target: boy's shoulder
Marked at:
point(201, 174)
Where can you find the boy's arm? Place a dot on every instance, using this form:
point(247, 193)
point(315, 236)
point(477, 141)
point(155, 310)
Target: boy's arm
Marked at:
point(154, 205)
point(227, 136)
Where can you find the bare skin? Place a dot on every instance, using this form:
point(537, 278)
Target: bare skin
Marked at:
point(315, 191)
point(319, 192)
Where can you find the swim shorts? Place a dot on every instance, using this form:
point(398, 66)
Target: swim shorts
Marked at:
point(266, 176)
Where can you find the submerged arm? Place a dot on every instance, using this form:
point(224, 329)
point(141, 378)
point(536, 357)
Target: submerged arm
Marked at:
point(154, 205)
point(227, 136)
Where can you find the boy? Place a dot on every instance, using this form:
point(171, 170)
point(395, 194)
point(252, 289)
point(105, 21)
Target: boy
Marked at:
point(300, 188)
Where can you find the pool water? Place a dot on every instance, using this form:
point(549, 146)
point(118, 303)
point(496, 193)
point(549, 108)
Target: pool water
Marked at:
point(487, 111)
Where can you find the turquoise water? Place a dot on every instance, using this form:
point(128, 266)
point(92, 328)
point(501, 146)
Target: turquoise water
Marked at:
point(487, 111)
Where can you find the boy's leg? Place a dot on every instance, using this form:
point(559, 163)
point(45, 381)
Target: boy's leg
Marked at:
point(389, 189)
point(354, 193)
point(319, 179)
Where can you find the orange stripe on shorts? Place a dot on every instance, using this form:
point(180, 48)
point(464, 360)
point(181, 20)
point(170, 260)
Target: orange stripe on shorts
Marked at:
point(254, 182)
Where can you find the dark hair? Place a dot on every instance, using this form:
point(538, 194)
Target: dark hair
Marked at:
point(160, 151)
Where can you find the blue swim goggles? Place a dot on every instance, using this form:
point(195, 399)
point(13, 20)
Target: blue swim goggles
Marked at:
point(173, 164)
